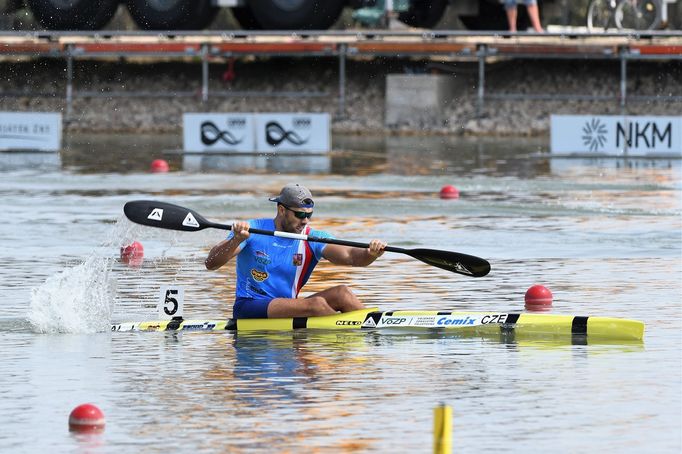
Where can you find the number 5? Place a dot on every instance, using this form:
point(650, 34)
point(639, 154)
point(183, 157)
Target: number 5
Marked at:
point(171, 299)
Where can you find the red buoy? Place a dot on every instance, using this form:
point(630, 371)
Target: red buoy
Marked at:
point(538, 298)
point(159, 166)
point(132, 254)
point(449, 192)
point(86, 418)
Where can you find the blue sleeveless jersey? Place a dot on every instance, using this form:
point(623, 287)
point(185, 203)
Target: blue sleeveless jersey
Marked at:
point(275, 267)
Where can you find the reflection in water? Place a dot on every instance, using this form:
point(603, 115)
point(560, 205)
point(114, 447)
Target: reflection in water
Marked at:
point(254, 392)
point(562, 165)
point(291, 375)
point(25, 160)
point(104, 153)
point(281, 365)
point(321, 389)
point(256, 163)
point(463, 156)
point(351, 155)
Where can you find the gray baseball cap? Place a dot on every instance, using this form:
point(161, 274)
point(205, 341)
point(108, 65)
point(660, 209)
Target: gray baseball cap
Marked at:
point(294, 195)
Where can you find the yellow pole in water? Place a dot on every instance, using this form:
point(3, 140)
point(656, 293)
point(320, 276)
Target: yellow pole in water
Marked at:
point(442, 429)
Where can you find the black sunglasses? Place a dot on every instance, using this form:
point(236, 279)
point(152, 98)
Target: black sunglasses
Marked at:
point(299, 214)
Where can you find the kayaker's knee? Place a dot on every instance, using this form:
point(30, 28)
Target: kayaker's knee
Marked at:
point(317, 306)
point(345, 299)
point(344, 291)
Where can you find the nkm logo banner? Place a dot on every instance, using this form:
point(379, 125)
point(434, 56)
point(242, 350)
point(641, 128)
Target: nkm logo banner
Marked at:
point(615, 134)
point(30, 131)
point(263, 132)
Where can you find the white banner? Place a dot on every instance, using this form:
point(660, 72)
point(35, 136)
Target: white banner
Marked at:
point(616, 134)
point(304, 132)
point(219, 132)
point(31, 131)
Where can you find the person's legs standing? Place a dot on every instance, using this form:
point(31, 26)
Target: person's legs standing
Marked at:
point(510, 8)
point(534, 15)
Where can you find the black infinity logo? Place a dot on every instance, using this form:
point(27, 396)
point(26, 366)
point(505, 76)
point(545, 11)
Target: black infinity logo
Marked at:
point(210, 134)
point(276, 134)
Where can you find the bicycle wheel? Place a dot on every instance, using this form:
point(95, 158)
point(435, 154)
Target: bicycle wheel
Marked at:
point(600, 15)
point(638, 14)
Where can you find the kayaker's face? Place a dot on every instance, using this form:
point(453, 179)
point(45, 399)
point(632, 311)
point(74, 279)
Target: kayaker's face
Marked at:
point(294, 220)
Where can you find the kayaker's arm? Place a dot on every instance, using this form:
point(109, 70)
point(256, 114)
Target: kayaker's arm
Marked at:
point(226, 250)
point(344, 255)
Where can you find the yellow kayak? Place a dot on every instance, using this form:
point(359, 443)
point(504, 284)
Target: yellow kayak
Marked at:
point(483, 323)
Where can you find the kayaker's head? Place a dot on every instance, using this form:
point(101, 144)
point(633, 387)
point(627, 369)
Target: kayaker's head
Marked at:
point(294, 208)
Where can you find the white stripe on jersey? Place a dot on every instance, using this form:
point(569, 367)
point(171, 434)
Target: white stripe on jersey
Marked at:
point(299, 269)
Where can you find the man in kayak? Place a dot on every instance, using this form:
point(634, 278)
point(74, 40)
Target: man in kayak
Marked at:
point(272, 270)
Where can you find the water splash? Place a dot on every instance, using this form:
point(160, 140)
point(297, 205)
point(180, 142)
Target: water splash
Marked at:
point(85, 297)
point(76, 300)
point(79, 299)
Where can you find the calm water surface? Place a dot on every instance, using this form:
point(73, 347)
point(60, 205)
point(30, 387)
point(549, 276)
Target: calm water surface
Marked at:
point(605, 237)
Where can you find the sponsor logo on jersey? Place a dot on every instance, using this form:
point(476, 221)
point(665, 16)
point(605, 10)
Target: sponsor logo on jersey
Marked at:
point(298, 259)
point(262, 258)
point(259, 275)
point(256, 290)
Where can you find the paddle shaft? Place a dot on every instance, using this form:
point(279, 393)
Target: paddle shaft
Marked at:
point(301, 236)
point(173, 217)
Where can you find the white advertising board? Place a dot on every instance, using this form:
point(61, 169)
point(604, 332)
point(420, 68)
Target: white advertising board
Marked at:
point(233, 132)
point(303, 132)
point(616, 134)
point(31, 131)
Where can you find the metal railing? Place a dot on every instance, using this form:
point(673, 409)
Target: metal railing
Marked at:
point(206, 47)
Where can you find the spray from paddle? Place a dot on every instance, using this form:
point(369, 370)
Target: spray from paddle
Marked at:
point(80, 299)
point(75, 300)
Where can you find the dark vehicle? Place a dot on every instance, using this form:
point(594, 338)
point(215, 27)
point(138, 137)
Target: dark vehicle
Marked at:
point(254, 14)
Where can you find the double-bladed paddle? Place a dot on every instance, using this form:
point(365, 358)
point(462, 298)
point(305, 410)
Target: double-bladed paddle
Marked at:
point(174, 217)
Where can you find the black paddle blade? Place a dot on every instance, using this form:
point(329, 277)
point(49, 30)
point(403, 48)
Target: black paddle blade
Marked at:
point(164, 215)
point(467, 265)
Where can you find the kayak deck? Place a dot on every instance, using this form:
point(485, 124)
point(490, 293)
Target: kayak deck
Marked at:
point(374, 319)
